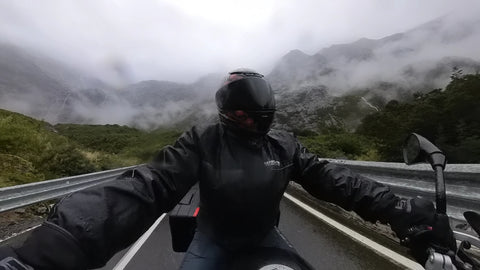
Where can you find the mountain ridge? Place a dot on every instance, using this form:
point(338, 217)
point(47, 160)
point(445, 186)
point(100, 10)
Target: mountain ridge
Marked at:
point(392, 67)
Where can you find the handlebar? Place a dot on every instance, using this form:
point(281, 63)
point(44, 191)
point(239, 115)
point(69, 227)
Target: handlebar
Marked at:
point(418, 149)
point(438, 261)
point(454, 260)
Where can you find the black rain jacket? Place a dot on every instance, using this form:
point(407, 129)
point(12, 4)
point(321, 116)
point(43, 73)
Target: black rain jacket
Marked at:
point(241, 184)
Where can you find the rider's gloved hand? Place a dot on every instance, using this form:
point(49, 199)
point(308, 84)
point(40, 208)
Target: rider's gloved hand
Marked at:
point(419, 227)
point(10, 261)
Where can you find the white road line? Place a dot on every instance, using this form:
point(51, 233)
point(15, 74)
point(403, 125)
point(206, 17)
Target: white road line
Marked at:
point(18, 234)
point(376, 247)
point(137, 245)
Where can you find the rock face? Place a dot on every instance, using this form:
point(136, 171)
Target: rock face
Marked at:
point(299, 109)
point(310, 89)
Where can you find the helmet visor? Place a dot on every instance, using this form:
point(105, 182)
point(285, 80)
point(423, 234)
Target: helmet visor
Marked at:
point(257, 122)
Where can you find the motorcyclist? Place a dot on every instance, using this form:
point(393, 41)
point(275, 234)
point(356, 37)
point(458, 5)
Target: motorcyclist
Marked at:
point(243, 168)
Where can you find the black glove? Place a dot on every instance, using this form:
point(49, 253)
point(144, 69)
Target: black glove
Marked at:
point(419, 227)
point(10, 261)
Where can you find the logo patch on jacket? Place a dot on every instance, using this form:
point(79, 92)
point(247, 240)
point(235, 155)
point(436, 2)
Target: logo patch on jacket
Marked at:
point(404, 204)
point(272, 163)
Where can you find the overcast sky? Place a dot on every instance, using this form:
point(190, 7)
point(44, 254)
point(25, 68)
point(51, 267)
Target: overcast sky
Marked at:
point(181, 40)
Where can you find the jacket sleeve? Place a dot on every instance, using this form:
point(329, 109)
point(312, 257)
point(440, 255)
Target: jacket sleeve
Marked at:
point(336, 184)
point(87, 227)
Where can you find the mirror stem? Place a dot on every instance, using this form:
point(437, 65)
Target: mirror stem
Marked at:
point(440, 191)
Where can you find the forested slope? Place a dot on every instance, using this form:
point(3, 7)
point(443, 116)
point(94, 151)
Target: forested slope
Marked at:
point(450, 118)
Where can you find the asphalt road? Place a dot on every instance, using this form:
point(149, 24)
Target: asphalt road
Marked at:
point(321, 245)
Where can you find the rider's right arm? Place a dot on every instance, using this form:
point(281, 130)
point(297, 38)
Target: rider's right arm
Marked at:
point(86, 228)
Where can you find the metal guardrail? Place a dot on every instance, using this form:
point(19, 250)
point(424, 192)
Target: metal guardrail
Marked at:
point(462, 182)
point(23, 195)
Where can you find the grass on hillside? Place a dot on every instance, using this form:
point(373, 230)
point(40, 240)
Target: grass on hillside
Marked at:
point(110, 146)
point(33, 150)
point(341, 145)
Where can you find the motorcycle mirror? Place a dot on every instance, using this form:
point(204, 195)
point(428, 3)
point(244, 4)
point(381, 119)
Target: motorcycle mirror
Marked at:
point(474, 220)
point(417, 149)
point(411, 150)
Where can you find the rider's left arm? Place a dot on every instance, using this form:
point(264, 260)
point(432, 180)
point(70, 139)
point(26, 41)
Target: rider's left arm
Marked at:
point(339, 185)
point(371, 200)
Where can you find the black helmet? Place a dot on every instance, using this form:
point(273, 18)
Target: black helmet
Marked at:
point(246, 102)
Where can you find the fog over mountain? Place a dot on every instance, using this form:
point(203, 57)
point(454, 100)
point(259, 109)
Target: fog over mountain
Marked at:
point(392, 67)
point(419, 58)
point(38, 86)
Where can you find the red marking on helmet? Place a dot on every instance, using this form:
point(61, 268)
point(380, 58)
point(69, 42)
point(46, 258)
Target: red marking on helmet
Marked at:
point(196, 211)
point(239, 113)
point(232, 77)
point(429, 228)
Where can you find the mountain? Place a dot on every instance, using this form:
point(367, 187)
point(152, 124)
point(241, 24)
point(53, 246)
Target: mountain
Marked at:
point(421, 58)
point(38, 86)
point(164, 103)
point(157, 93)
point(25, 86)
point(337, 86)
point(371, 72)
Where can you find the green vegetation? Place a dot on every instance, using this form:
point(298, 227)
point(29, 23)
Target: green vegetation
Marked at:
point(342, 145)
point(103, 138)
point(112, 146)
point(32, 150)
point(449, 118)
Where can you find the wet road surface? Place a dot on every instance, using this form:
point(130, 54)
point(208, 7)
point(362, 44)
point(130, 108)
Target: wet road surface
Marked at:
point(321, 245)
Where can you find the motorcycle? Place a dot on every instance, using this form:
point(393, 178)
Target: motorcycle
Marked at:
point(418, 149)
point(182, 229)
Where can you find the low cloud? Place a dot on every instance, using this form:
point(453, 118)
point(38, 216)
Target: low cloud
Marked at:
point(124, 42)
